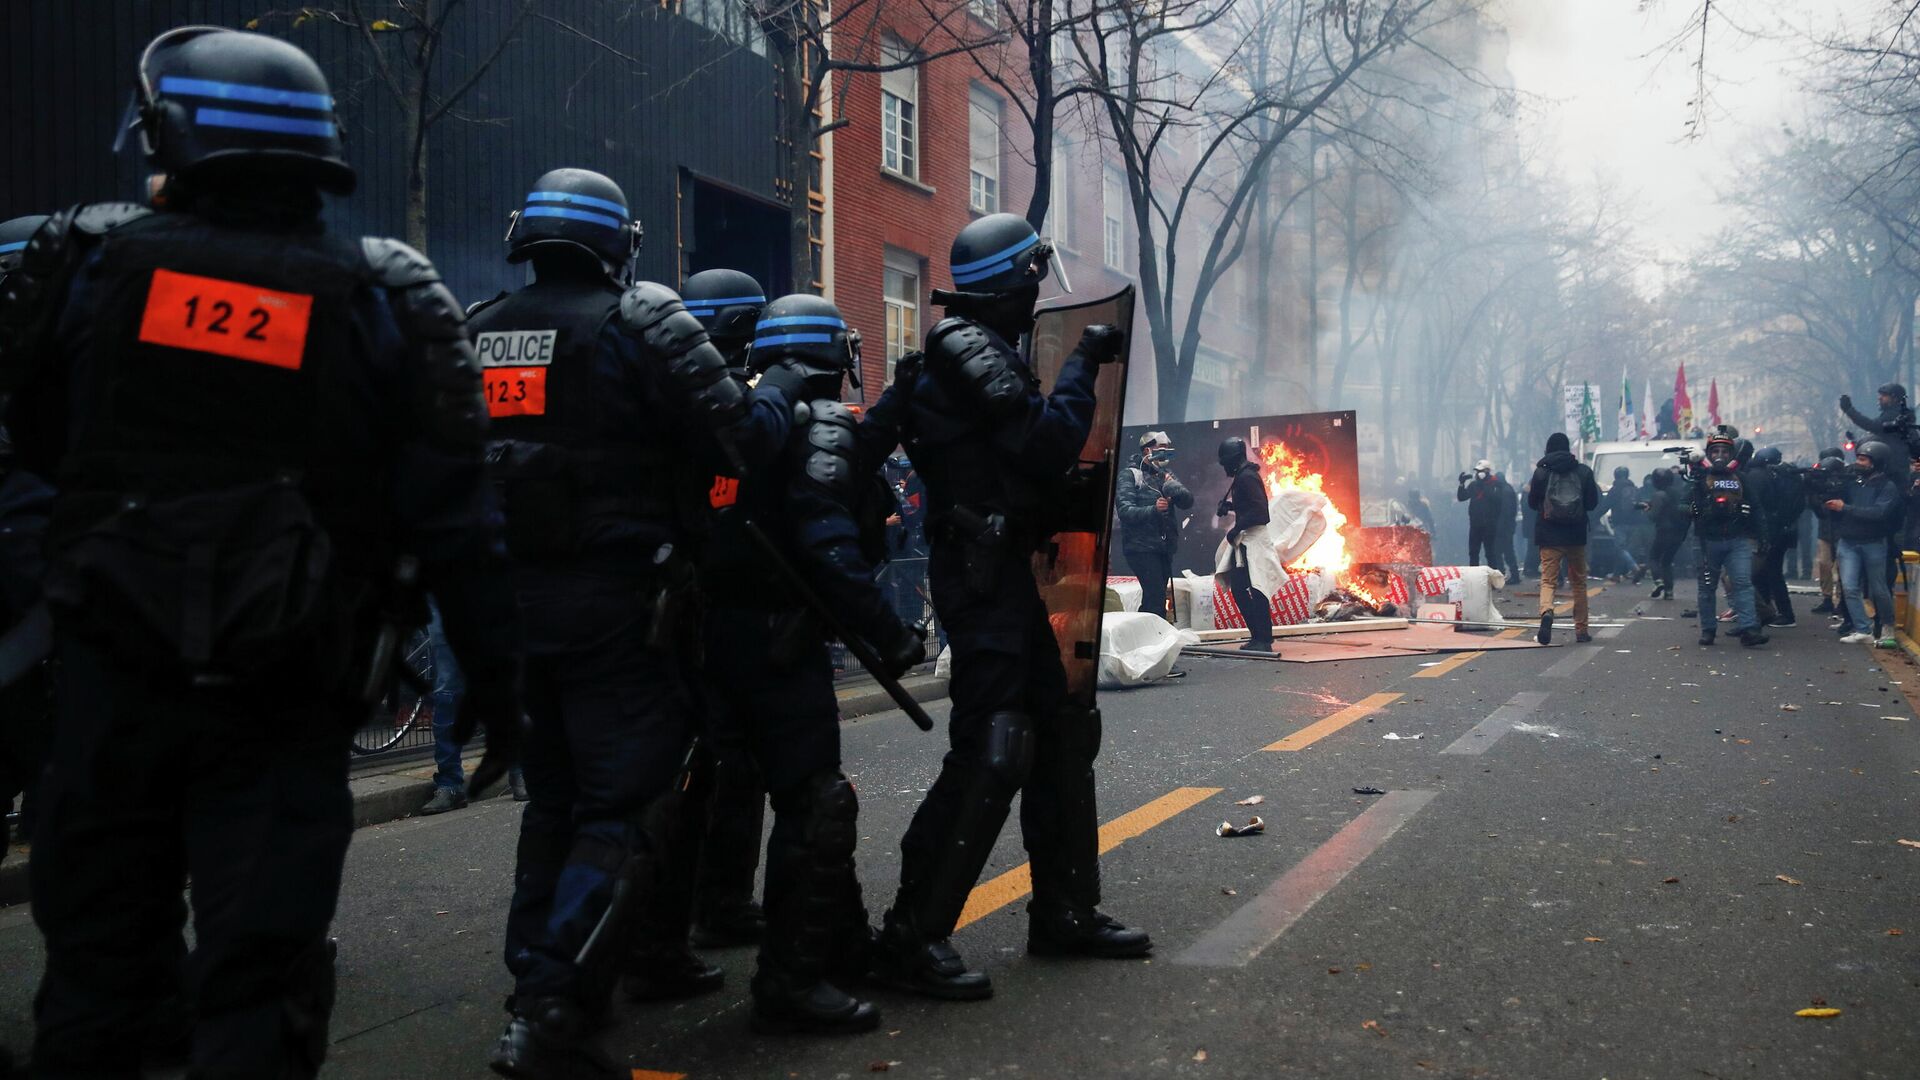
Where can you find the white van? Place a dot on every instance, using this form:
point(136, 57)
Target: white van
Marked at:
point(1640, 458)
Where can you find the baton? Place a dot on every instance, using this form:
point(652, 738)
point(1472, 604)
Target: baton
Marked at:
point(860, 649)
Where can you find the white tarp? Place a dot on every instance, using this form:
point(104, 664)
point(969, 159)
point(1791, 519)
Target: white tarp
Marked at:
point(1136, 648)
point(1474, 590)
point(1264, 567)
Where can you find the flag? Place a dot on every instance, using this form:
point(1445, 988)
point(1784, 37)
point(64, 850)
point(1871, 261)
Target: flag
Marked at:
point(1589, 416)
point(1648, 429)
point(1682, 405)
point(1713, 402)
point(1625, 427)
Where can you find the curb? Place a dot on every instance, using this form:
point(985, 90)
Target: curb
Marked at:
point(380, 798)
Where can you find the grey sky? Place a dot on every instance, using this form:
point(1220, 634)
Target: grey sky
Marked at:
point(1616, 114)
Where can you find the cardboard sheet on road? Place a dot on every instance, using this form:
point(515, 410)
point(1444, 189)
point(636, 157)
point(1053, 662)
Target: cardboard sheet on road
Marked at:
point(1371, 645)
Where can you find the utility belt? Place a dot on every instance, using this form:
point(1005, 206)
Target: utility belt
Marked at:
point(986, 540)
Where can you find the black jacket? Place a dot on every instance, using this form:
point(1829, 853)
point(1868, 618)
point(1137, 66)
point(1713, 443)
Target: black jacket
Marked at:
point(1247, 500)
point(1873, 509)
point(1784, 493)
point(1894, 426)
point(1751, 522)
point(1546, 533)
point(1622, 500)
point(1483, 501)
point(1144, 527)
point(1508, 506)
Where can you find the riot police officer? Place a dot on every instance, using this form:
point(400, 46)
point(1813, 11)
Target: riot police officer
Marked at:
point(768, 671)
point(728, 304)
point(257, 427)
point(993, 452)
point(608, 403)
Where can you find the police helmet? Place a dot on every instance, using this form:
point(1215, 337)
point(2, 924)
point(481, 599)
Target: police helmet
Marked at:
point(211, 98)
point(727, 303)
point(1895, 391)
point(579, 208)
point(998, 253)
point(1233, 453)
point(1832, 462)
point(805, 331)
point(1770, 456)
point(1877, 452)
point(14, 235)
point(1742, 451)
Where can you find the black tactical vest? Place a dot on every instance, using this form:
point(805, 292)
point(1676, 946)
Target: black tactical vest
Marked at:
point(572, 481)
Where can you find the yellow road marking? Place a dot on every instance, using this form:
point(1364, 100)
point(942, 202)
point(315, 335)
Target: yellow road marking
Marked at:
point(989, 897)
point(1447, 665)
point(1510, 634)
point(1320, 729)
point(655, 1074)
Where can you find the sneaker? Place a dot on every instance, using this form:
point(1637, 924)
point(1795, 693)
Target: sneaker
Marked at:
point(1824, 607)
point(1753, 638)
point(1783, 620)
point(1545, 636)
point(1582, 637)
point(1706, 637)
point(1856, 638)
point(1658, 592)
point(444, 799)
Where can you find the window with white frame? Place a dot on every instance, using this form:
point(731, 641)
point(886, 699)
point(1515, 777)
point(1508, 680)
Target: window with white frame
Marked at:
point(900, 111)
point(983, 138)
point(902, 293)
point(1059, 214)
point(1114, 215)
point(987, 11)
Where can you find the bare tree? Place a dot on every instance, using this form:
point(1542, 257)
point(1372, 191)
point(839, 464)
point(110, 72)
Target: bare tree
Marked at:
point(402, 41)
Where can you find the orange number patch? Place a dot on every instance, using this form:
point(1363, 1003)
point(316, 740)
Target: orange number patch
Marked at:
point(724, 492)
point(245, 322)
point(516, 391)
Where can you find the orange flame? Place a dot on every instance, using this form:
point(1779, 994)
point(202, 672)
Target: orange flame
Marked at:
point(1283, 469)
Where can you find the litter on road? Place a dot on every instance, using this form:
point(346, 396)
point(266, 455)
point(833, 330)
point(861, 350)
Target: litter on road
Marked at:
point(1253, 827)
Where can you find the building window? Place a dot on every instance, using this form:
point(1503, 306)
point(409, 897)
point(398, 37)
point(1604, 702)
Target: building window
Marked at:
point(987, 11)
point(728, 18)
point(899, 111)
point(983, 136)
point(1059, 215)
point(902, 291)
point(1113, 211)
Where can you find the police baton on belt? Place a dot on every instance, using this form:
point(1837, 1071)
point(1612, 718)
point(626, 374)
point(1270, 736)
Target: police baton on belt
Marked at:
point(859, 648)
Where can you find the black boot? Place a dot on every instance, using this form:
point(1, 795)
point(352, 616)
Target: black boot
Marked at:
point(1545, 636)
point(669, 972)
point(547, 1040)
point(723, 925)
point(929, 968)
point(1824, 607)
point(1060, 931)
point(785, 1005)
point(1706, 637)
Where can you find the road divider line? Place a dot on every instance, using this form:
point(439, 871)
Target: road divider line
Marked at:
point(656, 1074)
point(1498, 723)
point(1448, 665)
point(1260, 922)
point(990, 896)
point(1326, 726)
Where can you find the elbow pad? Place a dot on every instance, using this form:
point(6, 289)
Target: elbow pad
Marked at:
point(655, 313)
point(832, 449)
point(968, 357)
point(448, 400)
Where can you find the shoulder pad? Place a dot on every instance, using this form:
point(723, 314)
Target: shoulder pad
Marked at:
point(479, 306)
point(831, 451)
point(648, 302)
point(99, 219)
point(664, 325)
point(966, 355)
point(39, 282)
point(396, 265)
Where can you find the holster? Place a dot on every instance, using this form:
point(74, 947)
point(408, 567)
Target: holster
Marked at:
point(984, 539)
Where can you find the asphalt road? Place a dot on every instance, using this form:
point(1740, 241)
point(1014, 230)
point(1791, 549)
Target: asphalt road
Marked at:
point(1618, 860)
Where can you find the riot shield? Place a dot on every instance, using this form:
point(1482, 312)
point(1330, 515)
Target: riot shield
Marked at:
point(1072, 569)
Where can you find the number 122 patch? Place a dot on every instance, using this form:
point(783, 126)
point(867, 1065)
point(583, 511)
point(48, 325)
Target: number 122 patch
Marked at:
point(228, 318)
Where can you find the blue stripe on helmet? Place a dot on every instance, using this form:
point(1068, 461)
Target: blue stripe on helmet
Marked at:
point(977, 275)
point(729, 300)
point(583, 200)
point(793, 339)
point(802, 320)
point(250, 121)
point(15, 246)
point(576, 215)
point(256, 95)
point(702, 312)
point(999, 256)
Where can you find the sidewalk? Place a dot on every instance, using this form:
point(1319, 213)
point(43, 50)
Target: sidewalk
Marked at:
point(385, 795)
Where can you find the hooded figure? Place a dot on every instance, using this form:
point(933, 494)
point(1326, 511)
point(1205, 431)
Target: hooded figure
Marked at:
point(1247, 559)
point(1894, 424)
point(1561, 494)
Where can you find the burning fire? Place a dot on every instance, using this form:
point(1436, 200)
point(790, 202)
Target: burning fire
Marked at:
point(1283, 470)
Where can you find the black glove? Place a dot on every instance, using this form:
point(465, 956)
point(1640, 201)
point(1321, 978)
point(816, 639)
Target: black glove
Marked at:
point(1225, 507)
point(904, 649)
point(1463, 478)
point(890, 412)
point(1846, 402)
point(785, 379)
point(1101, 343)
point(494, 705)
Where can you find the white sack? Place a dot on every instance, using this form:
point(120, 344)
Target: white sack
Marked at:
point(1136, 648)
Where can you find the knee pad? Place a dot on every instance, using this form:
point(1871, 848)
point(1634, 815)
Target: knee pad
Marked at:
point(1009, 749)
point(833, 812)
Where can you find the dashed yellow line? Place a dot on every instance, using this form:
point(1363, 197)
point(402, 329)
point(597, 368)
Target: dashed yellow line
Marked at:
point(1448, 665)
point(990, 896)
point(1322, 728)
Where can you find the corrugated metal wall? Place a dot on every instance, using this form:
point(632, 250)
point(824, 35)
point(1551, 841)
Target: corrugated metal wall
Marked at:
point(636, 93)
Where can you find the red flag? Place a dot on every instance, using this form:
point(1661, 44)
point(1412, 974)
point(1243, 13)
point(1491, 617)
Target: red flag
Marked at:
point(1713, 402)
point(1682, 405)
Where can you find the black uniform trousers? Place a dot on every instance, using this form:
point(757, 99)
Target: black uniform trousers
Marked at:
point(610, 722)
point(1480, 545)
point(1005, 660)
point(1154, 569)
point(1255, 606)
point(244, 792)
point(1770, 580)
point(1502, 554)
point(776, 689)
point(1666, 545)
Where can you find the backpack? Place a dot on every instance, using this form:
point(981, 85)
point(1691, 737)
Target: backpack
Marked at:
point(1565, 498)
